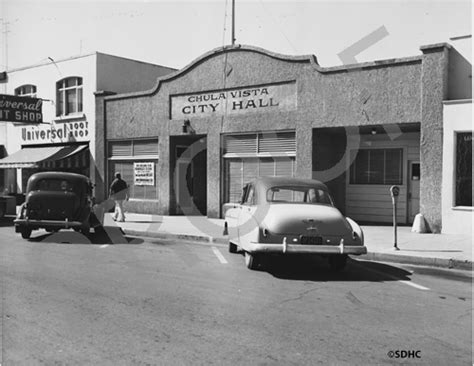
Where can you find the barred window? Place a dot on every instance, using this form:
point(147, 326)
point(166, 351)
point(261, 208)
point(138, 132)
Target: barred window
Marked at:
point(377, 166)
point(464, 169)
point(69, 96)
point(126, 157)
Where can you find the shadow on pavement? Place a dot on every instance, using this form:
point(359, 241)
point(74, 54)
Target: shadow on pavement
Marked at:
point(108, 235)
point(7, 221)
point(143, 221)
point(317, 269)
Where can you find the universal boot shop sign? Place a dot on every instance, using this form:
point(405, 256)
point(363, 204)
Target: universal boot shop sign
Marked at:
point(281, 97)
point(56, 133)
point(20, 109)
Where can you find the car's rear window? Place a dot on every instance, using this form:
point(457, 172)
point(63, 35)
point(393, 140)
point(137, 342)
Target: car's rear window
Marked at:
point(55, 185)
point(290, 194)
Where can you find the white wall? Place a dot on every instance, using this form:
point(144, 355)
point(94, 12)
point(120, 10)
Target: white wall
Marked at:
point(457, 118)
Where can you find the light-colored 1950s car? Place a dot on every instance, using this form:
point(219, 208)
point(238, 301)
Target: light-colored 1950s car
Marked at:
point(279, 215)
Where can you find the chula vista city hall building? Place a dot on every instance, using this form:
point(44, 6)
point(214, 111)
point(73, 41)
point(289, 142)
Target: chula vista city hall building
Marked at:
point(188, 145)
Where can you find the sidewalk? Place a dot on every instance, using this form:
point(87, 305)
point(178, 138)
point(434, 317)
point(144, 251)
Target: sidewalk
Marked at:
point(439, 250)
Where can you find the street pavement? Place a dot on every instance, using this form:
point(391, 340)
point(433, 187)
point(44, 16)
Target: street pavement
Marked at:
point(438, 250)
point(72, 300)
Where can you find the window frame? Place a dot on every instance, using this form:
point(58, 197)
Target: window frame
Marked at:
point(22, 92)
point(130, 158)
point(455, 171)
point(353, 172)
point(62, 96)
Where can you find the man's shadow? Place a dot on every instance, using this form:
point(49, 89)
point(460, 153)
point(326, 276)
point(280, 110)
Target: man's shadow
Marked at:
point(111, 235)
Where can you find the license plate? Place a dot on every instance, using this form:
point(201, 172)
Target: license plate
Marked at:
point(312, 240)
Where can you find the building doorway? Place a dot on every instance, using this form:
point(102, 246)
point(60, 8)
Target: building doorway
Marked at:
point(413, 190)
point(188, 177)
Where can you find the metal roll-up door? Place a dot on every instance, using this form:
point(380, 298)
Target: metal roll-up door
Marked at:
point(234, 180)
point(266, 167)
point(246, 158)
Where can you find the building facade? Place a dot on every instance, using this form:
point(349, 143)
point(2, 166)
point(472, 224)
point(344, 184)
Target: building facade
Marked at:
point(188, 144)
point(457, 207)
point(66, 139)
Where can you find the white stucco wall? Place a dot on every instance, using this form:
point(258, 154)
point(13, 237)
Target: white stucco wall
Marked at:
point(457, 118)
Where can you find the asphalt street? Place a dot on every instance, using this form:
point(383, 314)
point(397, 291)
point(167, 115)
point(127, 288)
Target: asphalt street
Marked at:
point(70, 300)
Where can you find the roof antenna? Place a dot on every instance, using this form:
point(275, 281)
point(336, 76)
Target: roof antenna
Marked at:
point(233, 22)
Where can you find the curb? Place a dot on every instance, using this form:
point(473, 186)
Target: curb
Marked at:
point(371, 256)
point(188, 237)
point(449, 263)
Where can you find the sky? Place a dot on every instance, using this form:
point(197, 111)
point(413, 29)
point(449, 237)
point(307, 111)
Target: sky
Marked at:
point(174, 33)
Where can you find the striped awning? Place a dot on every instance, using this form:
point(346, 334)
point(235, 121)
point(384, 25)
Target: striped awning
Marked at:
point(33, 157)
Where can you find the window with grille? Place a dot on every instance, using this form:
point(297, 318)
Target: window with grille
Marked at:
point(464, 169)
point(377, 166)
point(69, 96)
point(27, 90)
point(263, 143)
point(122, 156)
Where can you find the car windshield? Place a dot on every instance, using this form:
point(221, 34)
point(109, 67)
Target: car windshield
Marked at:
point(295, 194)
point(57, 185)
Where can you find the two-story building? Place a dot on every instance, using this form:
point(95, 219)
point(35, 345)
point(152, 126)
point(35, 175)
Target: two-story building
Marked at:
point(66, 140)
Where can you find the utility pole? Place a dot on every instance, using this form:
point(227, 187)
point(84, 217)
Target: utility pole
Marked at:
point(5, 31)
point(233, 22)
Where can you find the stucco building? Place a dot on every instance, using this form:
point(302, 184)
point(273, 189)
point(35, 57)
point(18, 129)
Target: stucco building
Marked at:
point(188, 144)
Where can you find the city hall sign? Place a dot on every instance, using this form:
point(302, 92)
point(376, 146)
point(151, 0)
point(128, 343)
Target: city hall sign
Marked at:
point(279, 97)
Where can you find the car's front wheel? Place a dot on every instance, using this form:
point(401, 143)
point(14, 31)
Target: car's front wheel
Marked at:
point(338, 262)
point(251, 261)
point(25, 233)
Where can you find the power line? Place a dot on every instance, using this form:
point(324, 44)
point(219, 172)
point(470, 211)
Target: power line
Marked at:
point(278, 26)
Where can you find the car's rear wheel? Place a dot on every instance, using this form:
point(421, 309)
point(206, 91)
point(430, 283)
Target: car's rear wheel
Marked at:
point(338, 262)
point(251, 260)
point(232, 247)
point(25, 233)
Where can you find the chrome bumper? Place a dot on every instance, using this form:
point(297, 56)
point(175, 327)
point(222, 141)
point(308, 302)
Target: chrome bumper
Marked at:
point(47, 223)
point(284, 248)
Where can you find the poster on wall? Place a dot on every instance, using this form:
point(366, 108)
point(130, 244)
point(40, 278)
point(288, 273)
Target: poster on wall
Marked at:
point(144, 174)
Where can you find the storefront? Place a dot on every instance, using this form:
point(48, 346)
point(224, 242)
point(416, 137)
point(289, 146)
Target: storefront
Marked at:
point(240, 112)
point(48, 147)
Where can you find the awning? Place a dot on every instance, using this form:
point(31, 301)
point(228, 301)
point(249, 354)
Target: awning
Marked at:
point(31, 157)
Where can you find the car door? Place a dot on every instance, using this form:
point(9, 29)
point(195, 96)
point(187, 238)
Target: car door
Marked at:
point(232, 213)
point(246, 222)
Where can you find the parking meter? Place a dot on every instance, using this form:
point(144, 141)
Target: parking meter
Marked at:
point(394, 192)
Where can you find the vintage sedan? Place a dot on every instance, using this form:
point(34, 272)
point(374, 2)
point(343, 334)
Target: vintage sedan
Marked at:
point(280, 215)
point(54, 201)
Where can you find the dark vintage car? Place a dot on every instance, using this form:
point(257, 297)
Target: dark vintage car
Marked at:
point(54, 201)
point(280, 215)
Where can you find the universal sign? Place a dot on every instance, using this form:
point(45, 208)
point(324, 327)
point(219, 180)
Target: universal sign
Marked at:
point(56, 133)
point(20, 109)
point(281, 97)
